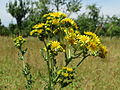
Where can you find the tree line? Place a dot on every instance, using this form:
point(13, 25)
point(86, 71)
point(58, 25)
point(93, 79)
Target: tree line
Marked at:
point(27, 13)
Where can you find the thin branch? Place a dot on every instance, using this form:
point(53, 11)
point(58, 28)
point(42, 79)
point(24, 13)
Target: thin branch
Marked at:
point(82, 60)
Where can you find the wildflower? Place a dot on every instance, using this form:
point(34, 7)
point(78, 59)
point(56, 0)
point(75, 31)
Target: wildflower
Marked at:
point(95, 38)
point(49, 17)
point(58, 14)
point(83, 38)
point(19, 41)
point(56, 46)
point(90, 34)
point(71, 38)
point(36, 31)
point(55, 21)
point(102, 51)
point(69, 69)
point(69, 22)
point(65, 74)
point(40, 25)
point(55, 14)
point(92, 46)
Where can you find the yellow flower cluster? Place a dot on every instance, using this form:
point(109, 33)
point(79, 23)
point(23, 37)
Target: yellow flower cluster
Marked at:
point(69, 22)
point(40, 25)
point(51, 25)
point(92, 42)
point(72, 36)
point(55, 14)
point(102, 51)
point(36, 31)
point(83, 39)
point(55, 23)
point(89, 41)
point(19, 41)
point(55, 46)
point(66, 72)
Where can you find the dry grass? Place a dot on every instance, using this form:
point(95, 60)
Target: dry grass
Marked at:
point(93, 74)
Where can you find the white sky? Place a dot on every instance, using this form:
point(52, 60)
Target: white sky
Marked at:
point(108, 7)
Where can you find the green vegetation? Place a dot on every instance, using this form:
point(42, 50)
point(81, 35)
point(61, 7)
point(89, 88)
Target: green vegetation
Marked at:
point(96, 74)
point(93, 73)
point(28, 13)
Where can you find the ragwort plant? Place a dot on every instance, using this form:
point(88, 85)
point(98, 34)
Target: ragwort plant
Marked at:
point(19, 41)
point(60, 35)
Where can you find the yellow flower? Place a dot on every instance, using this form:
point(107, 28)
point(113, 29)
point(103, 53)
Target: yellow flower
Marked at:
point(55, 21)
point(90, 34)
point(19, 41)
point(55, 44)
point(32, 32)
point(102, 51)
point(69, 69)
point(55, 14)
point(58, 14)
point(39, 31)
point(83, 38)
point(92, 46)
point(40, 25)
point(65, 74)
point(71, 30)
point(71, 38)
point(49, 18)
point(36, 31)
point(96, 39)
point(70, 21)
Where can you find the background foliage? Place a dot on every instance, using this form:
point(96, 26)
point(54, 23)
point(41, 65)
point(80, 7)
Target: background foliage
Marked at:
point(27, 13)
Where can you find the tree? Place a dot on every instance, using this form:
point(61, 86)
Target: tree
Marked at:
point(112, 26)
point(37, 10)
point(18, 9)
point(90, 20)
point(3, 30)
point(93, 15)
point(66, 6)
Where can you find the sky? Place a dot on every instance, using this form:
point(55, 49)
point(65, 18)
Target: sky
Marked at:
point(108, 7)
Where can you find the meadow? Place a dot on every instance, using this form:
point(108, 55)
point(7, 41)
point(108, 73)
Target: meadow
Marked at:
point(93, 74)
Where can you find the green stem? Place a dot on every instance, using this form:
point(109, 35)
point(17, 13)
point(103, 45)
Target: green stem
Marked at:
point(49, 65)
point(73, 57)
point(69, 53)
point(82, 60)
point(49, 85)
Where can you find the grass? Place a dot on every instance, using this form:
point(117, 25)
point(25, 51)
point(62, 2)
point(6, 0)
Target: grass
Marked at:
point(93, 74)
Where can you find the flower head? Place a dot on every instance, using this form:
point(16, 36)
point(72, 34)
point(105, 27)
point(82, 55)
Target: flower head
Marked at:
point(56, 46)
point(39, 31)
point(102, 51)
point(19, 41)
point(40, 25)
